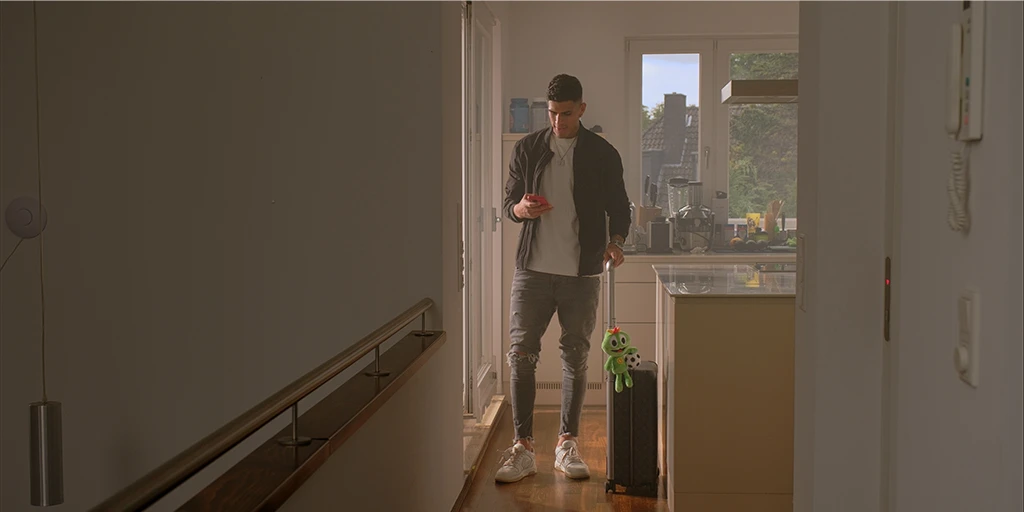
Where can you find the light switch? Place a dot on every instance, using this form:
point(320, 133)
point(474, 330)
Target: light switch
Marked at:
point(967, 350)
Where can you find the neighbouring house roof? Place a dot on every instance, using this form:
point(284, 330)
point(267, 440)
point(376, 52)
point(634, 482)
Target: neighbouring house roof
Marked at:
point(676, 142)
point(653, 138)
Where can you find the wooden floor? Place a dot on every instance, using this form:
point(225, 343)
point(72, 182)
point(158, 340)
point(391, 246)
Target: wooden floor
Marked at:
point(549, 490)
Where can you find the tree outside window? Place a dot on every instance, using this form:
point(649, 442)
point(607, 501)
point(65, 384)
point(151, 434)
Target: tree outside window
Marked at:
point(762, 139)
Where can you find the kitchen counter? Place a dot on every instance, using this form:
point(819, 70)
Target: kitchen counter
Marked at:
point(724, 338)
point(725, 280)
point(712, 257)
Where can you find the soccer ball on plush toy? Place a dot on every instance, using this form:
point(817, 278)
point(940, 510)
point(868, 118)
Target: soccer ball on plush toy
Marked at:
point(617, 345)
point(632, 360)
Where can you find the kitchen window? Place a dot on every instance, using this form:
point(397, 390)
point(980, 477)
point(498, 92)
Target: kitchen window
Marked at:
point(744, 155)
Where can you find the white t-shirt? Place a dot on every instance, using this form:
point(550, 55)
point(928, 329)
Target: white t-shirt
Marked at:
point(556, 244)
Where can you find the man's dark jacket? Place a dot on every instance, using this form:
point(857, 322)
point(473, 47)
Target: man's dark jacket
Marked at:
point(598, 190)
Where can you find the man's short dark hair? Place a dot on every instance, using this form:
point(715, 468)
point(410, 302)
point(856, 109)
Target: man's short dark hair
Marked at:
point(565, 88)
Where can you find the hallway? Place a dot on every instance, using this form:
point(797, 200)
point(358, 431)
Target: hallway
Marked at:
point(549, 490)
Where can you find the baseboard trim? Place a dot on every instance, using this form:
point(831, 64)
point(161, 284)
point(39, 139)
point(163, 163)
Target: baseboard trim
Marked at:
point(557, 385)
point(553, 397)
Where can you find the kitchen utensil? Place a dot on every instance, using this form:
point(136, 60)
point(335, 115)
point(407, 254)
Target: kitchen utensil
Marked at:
point(677, 195)
point(694, 223)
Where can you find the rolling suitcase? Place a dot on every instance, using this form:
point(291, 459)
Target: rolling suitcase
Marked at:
point(632, 419)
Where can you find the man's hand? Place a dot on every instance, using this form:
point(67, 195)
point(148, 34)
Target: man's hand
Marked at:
point(614, 254)
point(529, 209)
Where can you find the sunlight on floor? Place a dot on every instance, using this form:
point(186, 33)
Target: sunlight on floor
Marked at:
point(474, 435)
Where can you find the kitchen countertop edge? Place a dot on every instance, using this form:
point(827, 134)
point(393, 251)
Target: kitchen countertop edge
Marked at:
point(717, 292)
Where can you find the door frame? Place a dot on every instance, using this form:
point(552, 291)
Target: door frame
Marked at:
point(451, 172)
point(480, 228)
point(845, 400)
point(493, 283)
point(893, 235)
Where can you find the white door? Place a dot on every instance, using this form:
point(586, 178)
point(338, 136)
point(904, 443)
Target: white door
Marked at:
point(481, 226)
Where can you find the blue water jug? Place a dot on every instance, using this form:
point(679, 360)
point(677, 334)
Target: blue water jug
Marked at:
point(519, 115)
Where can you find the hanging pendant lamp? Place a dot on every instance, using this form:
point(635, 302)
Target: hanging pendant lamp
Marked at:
point(46, 460)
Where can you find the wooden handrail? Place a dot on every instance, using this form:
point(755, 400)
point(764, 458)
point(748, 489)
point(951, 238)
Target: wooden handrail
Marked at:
point(145, 491)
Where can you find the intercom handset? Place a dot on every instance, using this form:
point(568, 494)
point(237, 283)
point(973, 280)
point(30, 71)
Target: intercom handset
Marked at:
point(965, 83)
point(966, 74)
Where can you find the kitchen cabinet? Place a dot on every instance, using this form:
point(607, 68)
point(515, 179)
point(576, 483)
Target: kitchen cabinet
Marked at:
point(725, 336)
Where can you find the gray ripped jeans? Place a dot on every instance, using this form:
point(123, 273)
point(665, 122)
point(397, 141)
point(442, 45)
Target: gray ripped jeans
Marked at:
point(535, 298)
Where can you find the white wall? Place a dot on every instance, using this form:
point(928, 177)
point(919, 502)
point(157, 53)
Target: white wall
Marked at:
point(588, 40)
point(236, 192)
point(953, 447)
point(959, 448)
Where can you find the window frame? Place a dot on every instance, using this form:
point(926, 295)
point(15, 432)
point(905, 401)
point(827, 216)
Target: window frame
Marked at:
point(724, 49)
point(636, 48)
point(714, 52)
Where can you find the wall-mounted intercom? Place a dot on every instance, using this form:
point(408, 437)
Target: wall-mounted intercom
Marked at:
point(965, 84)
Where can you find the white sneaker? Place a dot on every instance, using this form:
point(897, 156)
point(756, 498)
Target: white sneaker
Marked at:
point(569, 461)
point(516, 464)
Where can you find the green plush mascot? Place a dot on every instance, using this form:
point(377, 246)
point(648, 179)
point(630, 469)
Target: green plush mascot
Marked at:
point(620, 355)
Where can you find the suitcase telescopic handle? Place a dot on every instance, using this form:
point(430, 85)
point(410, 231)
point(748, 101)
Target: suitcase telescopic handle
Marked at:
point(609, 305)
point(609, 294)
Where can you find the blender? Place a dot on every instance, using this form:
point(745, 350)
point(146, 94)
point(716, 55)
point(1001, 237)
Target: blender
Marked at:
point(677, 196)
point(694, 223)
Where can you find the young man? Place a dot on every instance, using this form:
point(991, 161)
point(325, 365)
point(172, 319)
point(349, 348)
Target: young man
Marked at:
point(563, 181)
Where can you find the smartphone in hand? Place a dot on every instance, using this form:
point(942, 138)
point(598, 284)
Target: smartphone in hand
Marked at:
point(539, 199)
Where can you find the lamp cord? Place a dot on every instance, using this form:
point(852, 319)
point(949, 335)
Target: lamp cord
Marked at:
point(39, 184)
point(8, 258)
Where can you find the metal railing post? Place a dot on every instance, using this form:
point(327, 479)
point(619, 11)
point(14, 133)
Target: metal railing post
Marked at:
point(376, 365)
point(422, 333)
point(295, 439)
